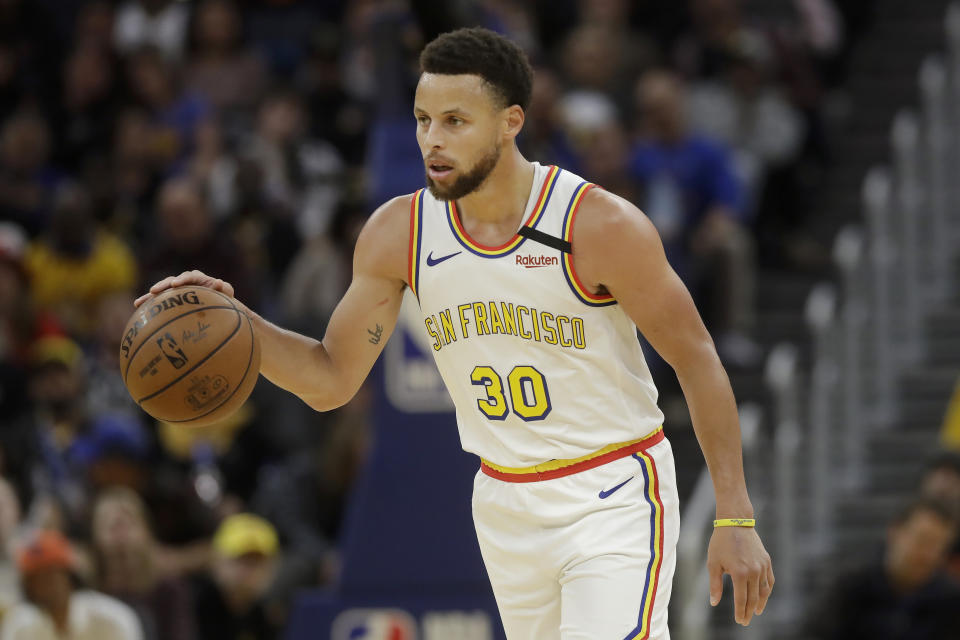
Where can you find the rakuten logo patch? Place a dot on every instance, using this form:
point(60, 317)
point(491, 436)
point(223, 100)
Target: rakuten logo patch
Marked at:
point(533, 262)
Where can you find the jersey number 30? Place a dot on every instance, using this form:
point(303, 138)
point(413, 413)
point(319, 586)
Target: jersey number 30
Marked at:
point(526, 386)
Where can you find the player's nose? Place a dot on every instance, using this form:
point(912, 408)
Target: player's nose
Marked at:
point(433, 137)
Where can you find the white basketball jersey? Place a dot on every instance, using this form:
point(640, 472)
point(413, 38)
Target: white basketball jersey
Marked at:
point(538, 367)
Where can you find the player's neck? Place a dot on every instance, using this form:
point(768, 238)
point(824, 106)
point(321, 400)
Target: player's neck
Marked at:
point(502, 198)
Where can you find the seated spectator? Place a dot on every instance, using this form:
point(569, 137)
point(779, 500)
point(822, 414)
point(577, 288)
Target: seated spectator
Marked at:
point(301, 177)
point(20, 324)
point(106, 392)
point(26, 176)
point(941, 481)
point(605, 160)
point(94, 25)
point(306, 496)
point(543, 136)
point(693, 198)
point(187, 239)
point(320, 273)
point(233, 603)
point(704, 51)
point(152, 23)
point(129, 567)
point(87, 107)
point(230, 76)
point(54, 608)
point(34, 447)
point(59, 450)
point(174, 115)
point(744, 109)
point(11, 531)
point(75, 264)
point(135, 172)
point(905, 594)
point(605, 56)
point(111, 450)
point(335, 116)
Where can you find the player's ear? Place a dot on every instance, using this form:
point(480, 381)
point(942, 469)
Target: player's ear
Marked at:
point(513, 118)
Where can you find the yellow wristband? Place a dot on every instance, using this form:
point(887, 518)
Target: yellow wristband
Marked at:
point(735, 522)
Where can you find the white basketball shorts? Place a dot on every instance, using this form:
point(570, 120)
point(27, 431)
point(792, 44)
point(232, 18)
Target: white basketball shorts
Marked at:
point(589, 555)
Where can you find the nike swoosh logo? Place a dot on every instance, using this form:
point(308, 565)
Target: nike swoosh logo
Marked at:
point(432, 262)
point(609, 492)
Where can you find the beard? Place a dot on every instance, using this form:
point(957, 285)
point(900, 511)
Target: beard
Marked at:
point(467, 182)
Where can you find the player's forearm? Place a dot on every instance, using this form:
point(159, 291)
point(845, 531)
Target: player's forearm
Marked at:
point(301, 365)
point(716, 423)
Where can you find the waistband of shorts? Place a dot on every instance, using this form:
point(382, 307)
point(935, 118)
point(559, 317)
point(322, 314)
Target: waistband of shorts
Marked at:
point(560, 468)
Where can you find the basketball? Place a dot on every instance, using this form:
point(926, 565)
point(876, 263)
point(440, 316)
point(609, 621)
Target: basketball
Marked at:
point(189, 356)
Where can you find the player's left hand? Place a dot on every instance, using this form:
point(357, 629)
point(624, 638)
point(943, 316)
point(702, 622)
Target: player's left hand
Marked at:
point(739, 552)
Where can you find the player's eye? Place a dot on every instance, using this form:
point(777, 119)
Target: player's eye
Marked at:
point(455, 120)
point(423, 120)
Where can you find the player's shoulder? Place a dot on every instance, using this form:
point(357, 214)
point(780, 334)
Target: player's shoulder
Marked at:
point(603, 214)
point(393, 213)
point(384, 240)
point(611, 236)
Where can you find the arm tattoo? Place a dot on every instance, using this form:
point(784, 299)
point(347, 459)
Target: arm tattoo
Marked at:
point(375, 335)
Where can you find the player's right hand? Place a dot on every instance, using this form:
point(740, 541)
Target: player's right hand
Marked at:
point(186, 278)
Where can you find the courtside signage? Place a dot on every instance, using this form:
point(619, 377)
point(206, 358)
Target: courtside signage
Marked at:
point(397, 624)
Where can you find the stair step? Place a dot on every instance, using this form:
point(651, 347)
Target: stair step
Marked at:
point(889, 478)
point(944, 352)
point(784, 291)
point(929, 381)
point(871, 510)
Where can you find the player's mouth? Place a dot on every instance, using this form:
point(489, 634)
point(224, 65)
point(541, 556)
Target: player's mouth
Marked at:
point(438, 171)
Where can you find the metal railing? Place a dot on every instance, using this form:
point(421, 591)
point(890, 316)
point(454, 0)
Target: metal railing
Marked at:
point(869, 332)
point(820, 312)
point(866, 333)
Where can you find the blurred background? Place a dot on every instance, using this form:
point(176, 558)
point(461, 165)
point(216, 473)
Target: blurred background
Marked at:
point(798, 157)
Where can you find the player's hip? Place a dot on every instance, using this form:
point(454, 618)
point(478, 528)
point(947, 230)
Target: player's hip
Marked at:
point(639, 485)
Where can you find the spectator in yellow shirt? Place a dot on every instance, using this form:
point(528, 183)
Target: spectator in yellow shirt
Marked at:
point(75, 264)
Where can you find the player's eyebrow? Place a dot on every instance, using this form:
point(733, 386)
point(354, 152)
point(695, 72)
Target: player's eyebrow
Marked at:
point(454, 111)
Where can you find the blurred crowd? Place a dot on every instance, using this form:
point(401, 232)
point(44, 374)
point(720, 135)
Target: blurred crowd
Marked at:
point(250, 139)
point(911, 587)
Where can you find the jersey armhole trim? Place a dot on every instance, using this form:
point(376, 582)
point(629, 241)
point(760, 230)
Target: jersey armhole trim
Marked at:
point(416, 236)
point(582, 292)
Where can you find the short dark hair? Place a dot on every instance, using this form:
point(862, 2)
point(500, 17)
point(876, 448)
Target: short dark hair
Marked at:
point(935, 506)
point(476, 51)
point(947, 460)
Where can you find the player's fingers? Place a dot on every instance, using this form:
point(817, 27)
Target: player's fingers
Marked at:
point(139, 301)
point(716, 584)
point(766, 587)
point(188, 277)
point(162, 285)
point(223, 287)
point(753, 596)
point(739, 594)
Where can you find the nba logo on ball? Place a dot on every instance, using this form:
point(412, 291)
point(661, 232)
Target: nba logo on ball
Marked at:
point(374, 624)
point(172, 350)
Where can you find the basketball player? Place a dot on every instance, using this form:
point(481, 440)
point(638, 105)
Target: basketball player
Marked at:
point(531, 282)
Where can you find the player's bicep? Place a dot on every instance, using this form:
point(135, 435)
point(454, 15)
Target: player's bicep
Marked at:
point(623, 250)
point(665, 314)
